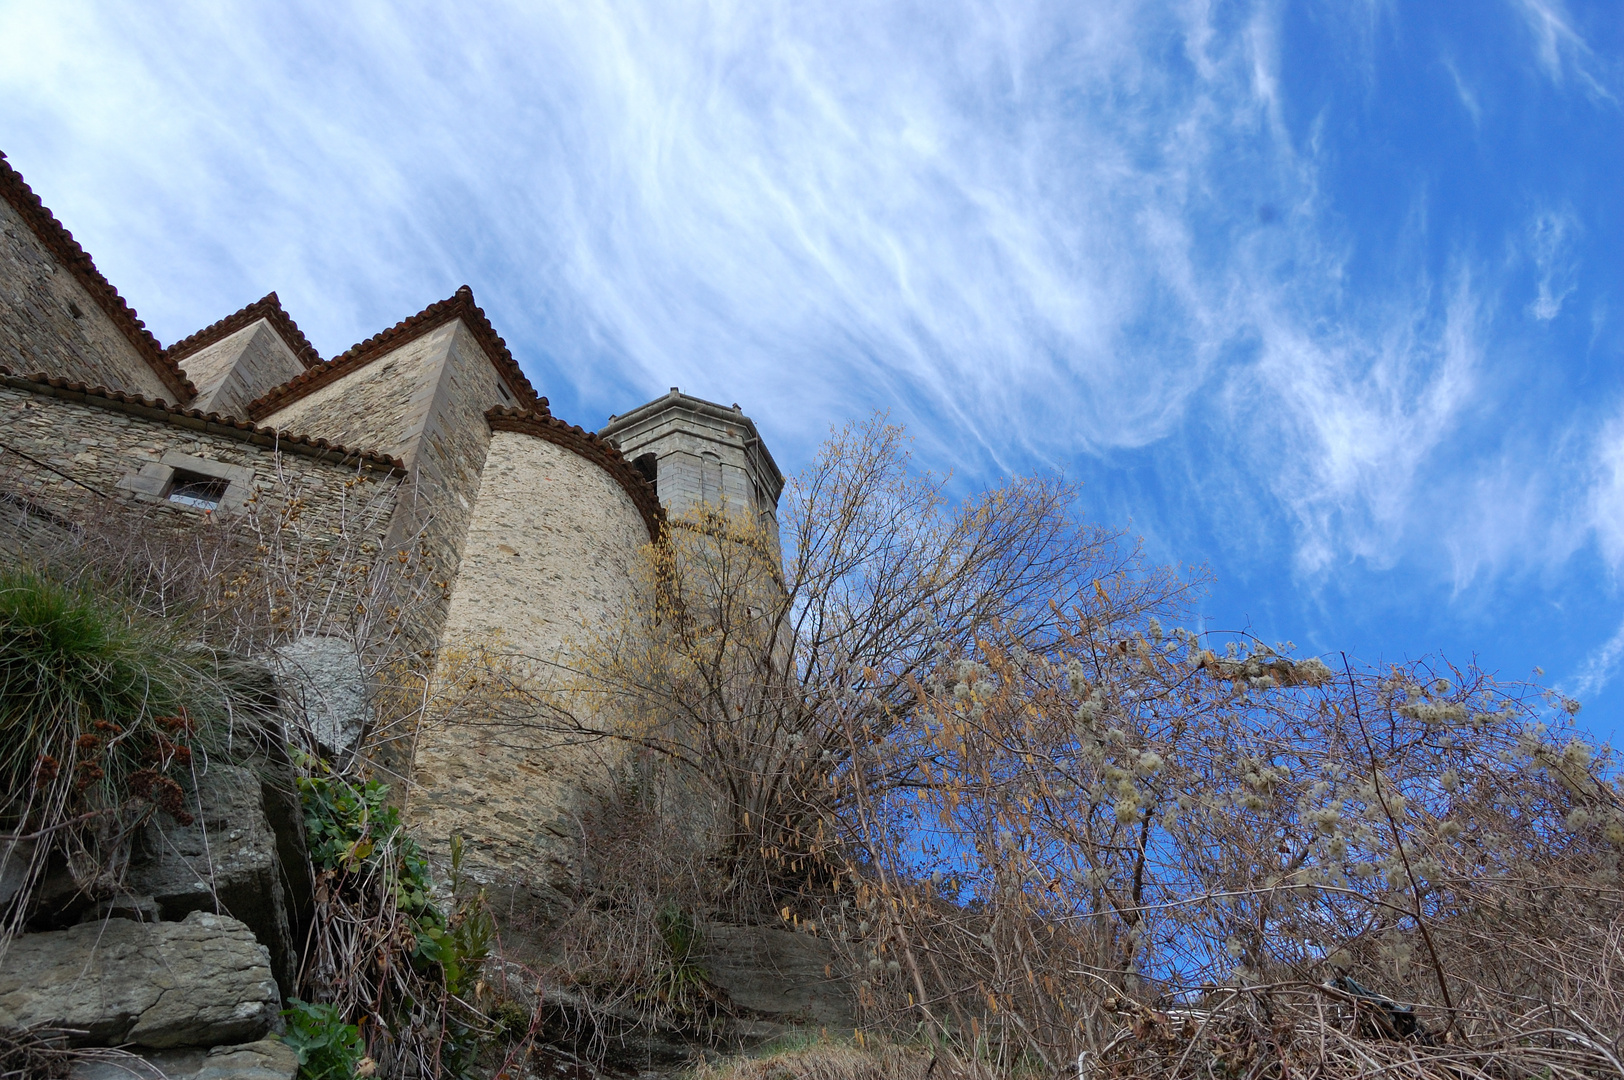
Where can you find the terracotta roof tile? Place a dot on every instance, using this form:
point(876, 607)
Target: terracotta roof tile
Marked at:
point(460, 305)
point(267, 307)
point(67, 251)
point(600, 451)
point(213, 423)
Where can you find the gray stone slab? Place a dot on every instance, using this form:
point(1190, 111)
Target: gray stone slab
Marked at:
point(268, 1059)
point(226, 861)
point(786, 977)
point(201, 982)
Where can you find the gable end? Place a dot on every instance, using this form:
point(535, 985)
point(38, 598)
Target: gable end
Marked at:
point(66, 250)
point(267, 307)
point(460, 305)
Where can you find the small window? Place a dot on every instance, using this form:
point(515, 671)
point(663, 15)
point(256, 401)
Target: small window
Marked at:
point(195, 489)
point(503, 390)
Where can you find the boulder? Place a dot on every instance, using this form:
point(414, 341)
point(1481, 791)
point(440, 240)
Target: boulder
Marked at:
point(226, 861)
point(259, 742)
point(779, 976)
point(200, 982)
point(268, 1059)
point(324, 691)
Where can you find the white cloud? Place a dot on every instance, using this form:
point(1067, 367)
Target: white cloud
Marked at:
point(1021, 222)
point(1349, 420)
point(1598, 668)
point(1467, 95)
point(1549, 241)
point(1559, 48)
point(1606, 491)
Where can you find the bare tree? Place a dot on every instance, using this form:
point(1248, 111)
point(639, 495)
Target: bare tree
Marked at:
point(958, 740)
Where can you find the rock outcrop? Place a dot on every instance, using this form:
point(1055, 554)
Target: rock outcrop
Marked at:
point(226, 860)
point(777, 978)
point(204, 981)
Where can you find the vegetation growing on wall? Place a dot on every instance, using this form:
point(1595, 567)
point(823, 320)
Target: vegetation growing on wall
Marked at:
point(385, 950)
point(130, 620)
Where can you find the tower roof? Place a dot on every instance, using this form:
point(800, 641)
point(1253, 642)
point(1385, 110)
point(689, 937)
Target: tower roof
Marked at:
point(625, 428)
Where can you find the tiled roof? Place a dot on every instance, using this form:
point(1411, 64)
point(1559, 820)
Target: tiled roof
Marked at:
point(460, 305)
point(599, 451)
point(67, 251)
point(213, 423)
point(268, 308)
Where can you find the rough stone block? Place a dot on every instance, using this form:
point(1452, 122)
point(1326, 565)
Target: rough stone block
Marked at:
point(268, 1059)
point(201, 982)
point(779, 975)
point(325, 690)
point(226, 860)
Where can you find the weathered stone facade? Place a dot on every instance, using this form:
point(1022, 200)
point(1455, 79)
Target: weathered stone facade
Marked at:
point(68, 451)
point(549, 557)
point(532, 525)
point(233, 371)
point(59, 315)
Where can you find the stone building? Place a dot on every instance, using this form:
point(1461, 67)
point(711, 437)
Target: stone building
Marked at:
point(535, 523)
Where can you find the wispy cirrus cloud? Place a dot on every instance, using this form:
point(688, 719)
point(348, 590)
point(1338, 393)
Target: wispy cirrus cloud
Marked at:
point(1560, 49)
point(1039, 231)
point(1550, 248)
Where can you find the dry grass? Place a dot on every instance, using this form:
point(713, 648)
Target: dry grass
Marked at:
point(149, 592)
point(827, 1060)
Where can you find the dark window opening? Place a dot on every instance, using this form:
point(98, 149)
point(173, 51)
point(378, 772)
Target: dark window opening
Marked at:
point(503, 390)
point(195, 489)
point(649, 466)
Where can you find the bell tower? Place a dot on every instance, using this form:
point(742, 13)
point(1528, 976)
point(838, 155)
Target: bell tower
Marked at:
point(697, 452)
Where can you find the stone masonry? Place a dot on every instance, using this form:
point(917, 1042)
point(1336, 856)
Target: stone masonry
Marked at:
point(535, 526)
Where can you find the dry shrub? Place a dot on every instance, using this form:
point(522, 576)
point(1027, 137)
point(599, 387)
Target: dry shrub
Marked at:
point(959, 742)
point(35, 1055)
point(1128, 817)
point(629, 942)
point(731, 691)
point(213, 588)
point(146, 608)
point(104, 714)
point(745, 679)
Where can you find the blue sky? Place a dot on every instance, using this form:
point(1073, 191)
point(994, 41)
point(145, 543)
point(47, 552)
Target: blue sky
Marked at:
point(1328, 296)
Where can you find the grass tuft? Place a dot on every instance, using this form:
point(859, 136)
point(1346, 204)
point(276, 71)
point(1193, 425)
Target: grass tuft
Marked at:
point(101, 713)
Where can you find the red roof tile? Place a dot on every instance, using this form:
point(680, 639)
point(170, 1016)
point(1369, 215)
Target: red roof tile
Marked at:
point(267, 307)
point(460, 305)
point(213, 423)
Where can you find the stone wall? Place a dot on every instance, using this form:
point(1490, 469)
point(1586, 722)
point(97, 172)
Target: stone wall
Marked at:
point(50, 323)
point(551, 555)
point(382, 405)
point(423, 402)
point(75, 459)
